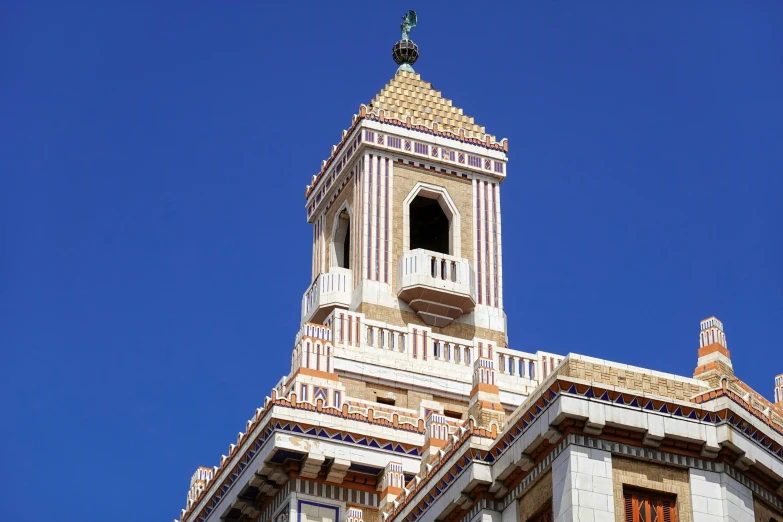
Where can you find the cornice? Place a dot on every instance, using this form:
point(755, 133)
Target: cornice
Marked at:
point(348, 140)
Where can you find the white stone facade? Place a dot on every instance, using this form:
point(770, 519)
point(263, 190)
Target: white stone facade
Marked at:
point(582, 486)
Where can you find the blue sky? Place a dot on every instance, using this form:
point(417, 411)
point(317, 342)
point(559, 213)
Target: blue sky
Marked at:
point(153, 243)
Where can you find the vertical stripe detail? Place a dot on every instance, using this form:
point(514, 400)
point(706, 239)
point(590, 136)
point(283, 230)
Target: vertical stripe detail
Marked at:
point(487, 266)
point(496, 242)
point(368, 229)
point(386, 224)
point(356, 220)
point(479, 272)
point(377, 230)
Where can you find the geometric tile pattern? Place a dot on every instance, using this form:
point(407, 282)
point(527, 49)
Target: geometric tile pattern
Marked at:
point(407, 95)
point(275, 425)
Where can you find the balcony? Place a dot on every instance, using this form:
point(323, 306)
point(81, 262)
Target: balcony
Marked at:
point(438, 287)
point(329, 291)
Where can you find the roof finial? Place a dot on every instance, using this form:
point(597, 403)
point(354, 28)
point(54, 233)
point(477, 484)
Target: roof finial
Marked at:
point(405, 52)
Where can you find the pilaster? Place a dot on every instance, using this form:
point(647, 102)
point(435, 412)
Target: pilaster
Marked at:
point(582, 486)
point(717, 497)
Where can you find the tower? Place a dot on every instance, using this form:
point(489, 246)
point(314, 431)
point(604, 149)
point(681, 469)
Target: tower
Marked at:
point(779, 391)
point(714, 363)
point(197, 484)
point(406, 220)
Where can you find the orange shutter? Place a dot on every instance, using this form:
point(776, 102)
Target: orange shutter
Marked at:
point(629, 508)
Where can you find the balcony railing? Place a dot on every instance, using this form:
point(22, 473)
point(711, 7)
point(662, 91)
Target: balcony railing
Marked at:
point(329, 291)
point(437, 286)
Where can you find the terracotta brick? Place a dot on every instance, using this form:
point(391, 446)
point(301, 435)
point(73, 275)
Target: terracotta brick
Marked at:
point(630, 380)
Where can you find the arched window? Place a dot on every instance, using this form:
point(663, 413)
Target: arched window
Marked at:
point(341, 240)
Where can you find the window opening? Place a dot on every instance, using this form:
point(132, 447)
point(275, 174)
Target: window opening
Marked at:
point(429, 225)
point(644, 506)
point(342, 240)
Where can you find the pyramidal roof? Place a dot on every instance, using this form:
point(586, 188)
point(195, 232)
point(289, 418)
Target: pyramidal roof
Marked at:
point(408, 95)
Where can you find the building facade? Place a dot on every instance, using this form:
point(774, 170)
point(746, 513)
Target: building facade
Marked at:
point(405, 402)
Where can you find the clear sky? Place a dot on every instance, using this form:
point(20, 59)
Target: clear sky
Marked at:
point(153, 243)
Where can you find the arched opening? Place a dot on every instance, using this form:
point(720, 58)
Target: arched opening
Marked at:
point(341, 240)
point(429, 225)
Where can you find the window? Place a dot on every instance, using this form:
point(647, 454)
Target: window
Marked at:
point(304, 392)
point(643, 506)
point(341, 240)
point(429, 225)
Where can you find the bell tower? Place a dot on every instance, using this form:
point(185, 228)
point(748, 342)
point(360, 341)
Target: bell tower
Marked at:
point(406, 217)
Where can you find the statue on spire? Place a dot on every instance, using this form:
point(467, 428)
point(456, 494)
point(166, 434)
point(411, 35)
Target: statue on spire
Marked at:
point(405, 52)
point(408, 23)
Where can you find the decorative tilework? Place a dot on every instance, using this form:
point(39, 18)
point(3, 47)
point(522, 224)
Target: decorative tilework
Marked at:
point(251, 449)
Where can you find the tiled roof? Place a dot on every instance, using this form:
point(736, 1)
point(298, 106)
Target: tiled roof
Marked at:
point(408, 95)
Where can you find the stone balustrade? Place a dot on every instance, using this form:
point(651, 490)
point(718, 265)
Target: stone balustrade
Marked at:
point(438, 287)
point(330, 290)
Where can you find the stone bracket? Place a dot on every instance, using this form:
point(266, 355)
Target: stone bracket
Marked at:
point(338, 470)
point(312, 465)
